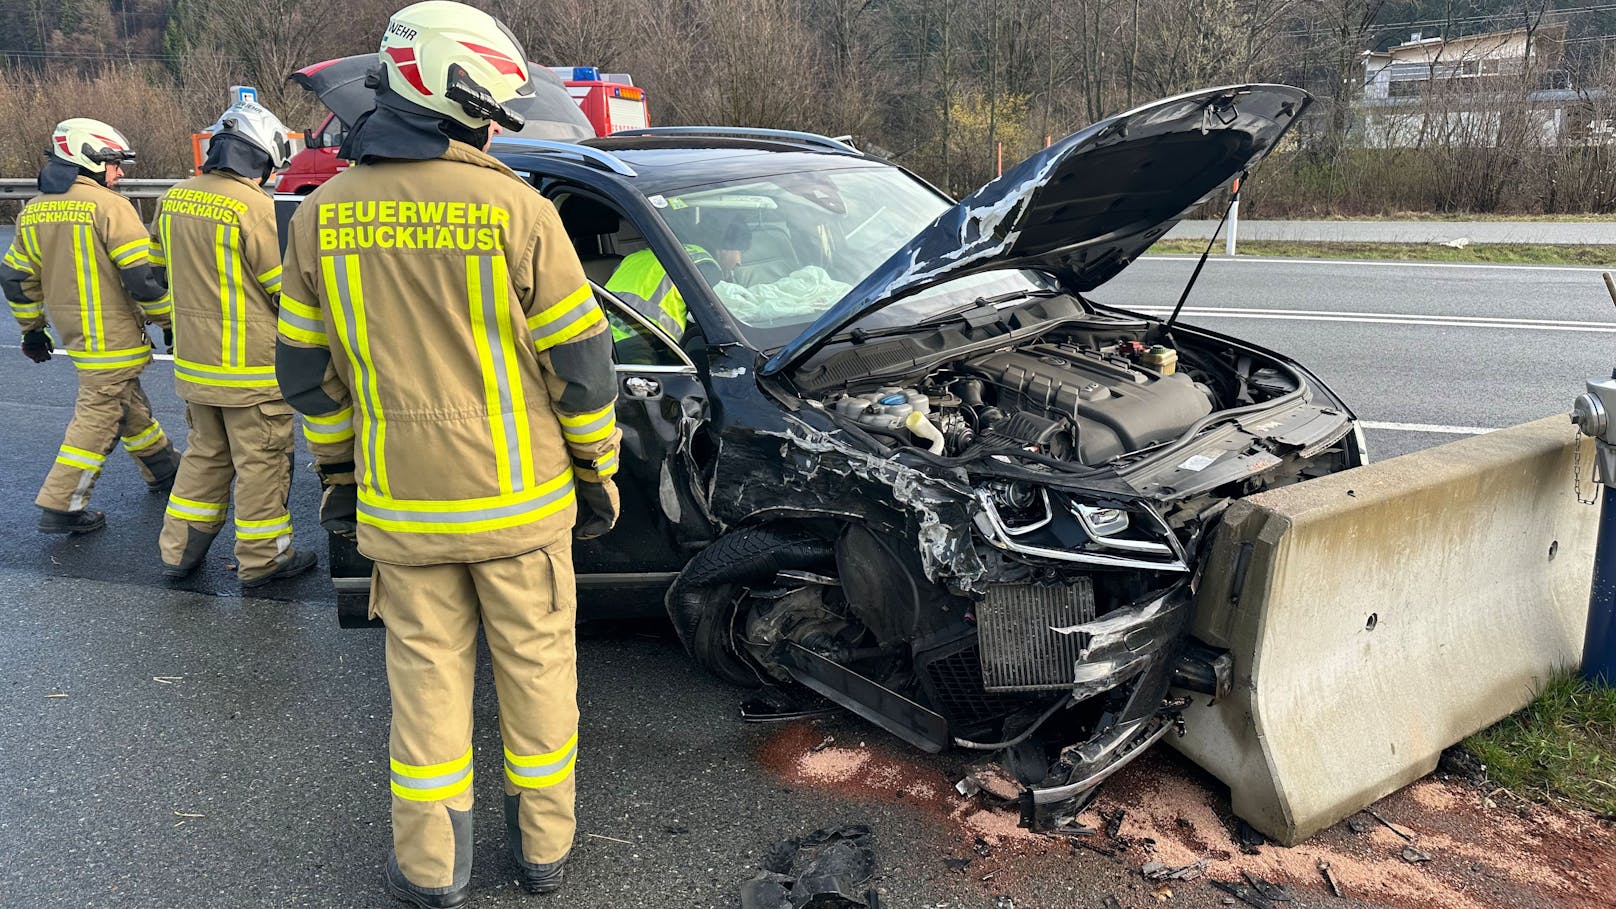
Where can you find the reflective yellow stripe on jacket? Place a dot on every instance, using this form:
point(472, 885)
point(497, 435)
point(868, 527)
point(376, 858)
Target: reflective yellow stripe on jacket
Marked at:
point(330, 428)
point(488, 289)
point(25, 310)
point(232, 305)
point(583, 428)
point(16, 259)
point(565, 320)
point(88, 284)
point(111, 359)
point(131, 254)
point(270, 280)
point(225, 376)
point(298, 321)
point(466, 515)
point(344, 288)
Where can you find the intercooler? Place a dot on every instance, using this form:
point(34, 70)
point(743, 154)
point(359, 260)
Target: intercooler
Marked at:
point(1018, 650)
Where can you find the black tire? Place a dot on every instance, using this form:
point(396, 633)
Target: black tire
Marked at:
point(702, 602)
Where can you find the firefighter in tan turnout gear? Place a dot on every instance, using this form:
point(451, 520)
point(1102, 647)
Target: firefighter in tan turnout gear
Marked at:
point(217, 235)
point(446, 298)
point(79, 274)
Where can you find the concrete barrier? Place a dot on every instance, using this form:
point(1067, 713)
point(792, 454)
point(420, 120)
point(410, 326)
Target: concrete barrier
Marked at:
point(1380, 615)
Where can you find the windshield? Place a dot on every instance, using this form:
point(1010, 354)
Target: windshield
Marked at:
point(787, 247)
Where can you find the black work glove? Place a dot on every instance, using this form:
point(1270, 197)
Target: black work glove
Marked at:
point(168, 338)
point(36, 345)
point(339, 509)
point(597, 509)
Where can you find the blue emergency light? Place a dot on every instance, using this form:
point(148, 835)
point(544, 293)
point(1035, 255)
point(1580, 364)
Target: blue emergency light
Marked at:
point(577, 73)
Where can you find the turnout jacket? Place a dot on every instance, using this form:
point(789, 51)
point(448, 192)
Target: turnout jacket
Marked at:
point(216, 234)
point(435, 315)
point(81, 261)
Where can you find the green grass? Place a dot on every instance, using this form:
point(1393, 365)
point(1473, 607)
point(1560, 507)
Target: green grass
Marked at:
point(1513, 253)
point(1562, 748)
point(1449, 216)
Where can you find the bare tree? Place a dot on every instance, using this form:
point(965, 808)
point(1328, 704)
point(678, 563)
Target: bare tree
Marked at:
point(1349, 24)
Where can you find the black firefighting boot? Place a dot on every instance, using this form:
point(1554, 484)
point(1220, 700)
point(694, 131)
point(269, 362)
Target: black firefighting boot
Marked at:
point(164, 465)
point(196, 547)
point(400, 888)
point(53, 521)
point(536, 878)
point(297, 561)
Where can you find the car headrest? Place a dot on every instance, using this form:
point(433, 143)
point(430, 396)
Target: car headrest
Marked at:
point(585, 217)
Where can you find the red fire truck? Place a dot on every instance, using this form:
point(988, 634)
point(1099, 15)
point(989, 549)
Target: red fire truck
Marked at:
point(610, 100)
point(606, 102)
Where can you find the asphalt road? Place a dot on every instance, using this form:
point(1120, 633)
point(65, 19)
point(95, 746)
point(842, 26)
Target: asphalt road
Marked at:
point(1580, 233)
point(190, 748)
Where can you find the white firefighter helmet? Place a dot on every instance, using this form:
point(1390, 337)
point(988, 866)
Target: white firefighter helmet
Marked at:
point(455, 60)
point(250, 121)
point(90, 144)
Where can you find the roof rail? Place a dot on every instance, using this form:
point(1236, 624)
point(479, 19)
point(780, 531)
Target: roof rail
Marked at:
point(841, 144)
point(591, 156)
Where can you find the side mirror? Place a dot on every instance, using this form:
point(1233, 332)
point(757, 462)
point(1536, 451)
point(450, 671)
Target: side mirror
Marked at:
point(312, 138)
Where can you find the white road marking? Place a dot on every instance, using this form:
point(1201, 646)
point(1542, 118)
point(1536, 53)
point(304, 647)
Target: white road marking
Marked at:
point(1427, 427)
point(59, 353)
point(1303, 315)
point(1378, 263)
point(1366, 424)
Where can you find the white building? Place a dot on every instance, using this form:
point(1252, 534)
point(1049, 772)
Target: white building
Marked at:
point(1473, 91)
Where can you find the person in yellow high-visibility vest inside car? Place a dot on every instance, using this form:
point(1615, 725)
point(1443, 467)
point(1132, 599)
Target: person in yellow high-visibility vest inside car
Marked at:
point(79, 273)
point(432, 300)
point(642, 282)
point(217, 235)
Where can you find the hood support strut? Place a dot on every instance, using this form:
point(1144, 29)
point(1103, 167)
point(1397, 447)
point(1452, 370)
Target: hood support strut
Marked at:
point(1195, 275)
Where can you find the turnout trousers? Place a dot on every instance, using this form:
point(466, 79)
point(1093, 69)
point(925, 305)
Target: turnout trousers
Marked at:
point(105, 413)
point(250, 447)
point(528, 608)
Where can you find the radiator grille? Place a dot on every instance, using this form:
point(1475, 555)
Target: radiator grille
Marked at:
point(1019, 652)
point(952, 677)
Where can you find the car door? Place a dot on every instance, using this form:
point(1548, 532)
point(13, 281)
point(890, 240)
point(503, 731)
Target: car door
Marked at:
point(661, 406)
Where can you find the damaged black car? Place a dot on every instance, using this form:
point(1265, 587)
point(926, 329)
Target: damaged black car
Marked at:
point(885, 447)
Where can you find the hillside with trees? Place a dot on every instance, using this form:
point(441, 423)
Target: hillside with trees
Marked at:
point(942, 86)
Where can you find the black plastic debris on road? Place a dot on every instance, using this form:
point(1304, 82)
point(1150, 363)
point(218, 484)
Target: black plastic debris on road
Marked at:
point(1250, 838)
point(1256, 891)
point(830, 868)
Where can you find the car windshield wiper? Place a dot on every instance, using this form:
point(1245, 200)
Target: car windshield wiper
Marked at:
point(978, 313)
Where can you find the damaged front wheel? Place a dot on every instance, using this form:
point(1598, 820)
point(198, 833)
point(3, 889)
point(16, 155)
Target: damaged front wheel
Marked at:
point(707, 600)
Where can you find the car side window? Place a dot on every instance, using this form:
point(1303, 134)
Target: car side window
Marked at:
point(334, 134)
point(633, 344)
point(604, 238)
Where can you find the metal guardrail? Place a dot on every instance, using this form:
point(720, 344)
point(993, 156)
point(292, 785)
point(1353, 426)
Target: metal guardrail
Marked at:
point(21, 190)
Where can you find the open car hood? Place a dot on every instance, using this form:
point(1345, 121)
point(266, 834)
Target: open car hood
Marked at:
point(550, 112)
point(1083, 208)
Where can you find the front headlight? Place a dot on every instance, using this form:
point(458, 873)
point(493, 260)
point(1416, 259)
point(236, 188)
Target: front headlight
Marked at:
point(1100, 522)
point(1069, 530)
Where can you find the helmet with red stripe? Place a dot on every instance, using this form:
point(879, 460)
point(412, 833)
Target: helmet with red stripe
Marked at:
point(90, 144)
point(456, 61)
